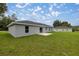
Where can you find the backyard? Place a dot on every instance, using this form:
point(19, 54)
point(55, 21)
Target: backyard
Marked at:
point(57, 44)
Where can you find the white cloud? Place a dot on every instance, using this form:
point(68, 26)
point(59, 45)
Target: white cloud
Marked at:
point(43, 17)
point(22, 18)
point(71, 10)
point(77, 3)
point(21, 13)
point(48, 15)
point(62, 4)
point(27, 14)
point(68, 11)
point(30, 9)
point(55, 13)
point(50, 8)
point(38, 9)
point(42, 11)
point(58, 6)
point(33, 13)
point(54, 4)
point(48, 21)
point(13, 11)
point(20, 5)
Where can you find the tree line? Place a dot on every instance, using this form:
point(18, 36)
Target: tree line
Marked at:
point(59, 23)
point(5, 20)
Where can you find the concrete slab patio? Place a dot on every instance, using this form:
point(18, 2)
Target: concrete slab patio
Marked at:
point(44, 34)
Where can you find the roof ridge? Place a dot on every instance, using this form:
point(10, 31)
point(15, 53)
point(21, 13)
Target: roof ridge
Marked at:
point(29, 22)
point(34, 22)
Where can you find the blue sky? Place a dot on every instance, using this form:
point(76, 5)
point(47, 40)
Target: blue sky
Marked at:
point(46, 12)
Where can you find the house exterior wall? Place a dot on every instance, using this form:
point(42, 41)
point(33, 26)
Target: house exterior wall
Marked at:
point(19, 30)
point(12, 30)
point(62, 29)
point(46, 29)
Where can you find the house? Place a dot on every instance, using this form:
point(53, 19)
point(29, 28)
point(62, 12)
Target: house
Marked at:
point(24, 28)
point(62, 29)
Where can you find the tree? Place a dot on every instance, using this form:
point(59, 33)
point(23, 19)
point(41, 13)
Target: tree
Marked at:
point(69, 25)
point(3, 8)
point(13, 17)
point(4, 22)
point(56, 23)
point(59, 23)
point(65, 23)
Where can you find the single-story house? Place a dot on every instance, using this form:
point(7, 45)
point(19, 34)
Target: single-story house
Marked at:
point(62, 29)
point(24, 28)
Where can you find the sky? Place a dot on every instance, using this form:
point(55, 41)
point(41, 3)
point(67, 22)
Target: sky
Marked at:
point(45, 13)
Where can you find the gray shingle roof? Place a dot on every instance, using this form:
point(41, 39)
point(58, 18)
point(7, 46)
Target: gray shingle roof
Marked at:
point(26, 22)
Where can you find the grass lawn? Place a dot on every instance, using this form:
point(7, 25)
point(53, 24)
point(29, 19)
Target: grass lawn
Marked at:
point(57, 44)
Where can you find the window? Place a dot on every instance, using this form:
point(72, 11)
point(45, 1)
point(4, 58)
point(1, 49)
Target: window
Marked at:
point(26, 29)
point(41, 29)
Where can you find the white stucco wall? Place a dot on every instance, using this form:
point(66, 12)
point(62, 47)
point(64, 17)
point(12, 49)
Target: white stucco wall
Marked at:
point(62, 30)
point(19, 30)
point(47, 30)
point(12, 30)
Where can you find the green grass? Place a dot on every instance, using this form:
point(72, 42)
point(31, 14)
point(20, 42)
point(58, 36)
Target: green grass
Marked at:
point(57, 44)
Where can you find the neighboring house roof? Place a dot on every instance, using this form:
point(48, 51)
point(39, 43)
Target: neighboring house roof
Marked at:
point(30, 23)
